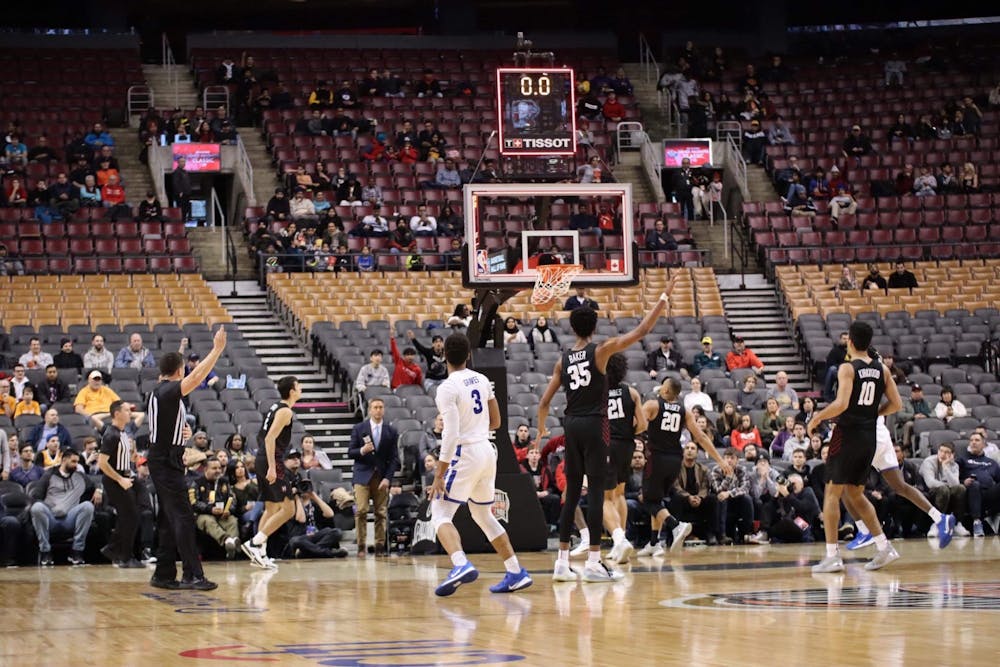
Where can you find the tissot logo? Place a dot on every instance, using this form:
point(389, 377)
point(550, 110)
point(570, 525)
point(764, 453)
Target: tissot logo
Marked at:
point(547, 142)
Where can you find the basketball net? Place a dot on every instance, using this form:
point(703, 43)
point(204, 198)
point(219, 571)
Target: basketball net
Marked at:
point(553, 282)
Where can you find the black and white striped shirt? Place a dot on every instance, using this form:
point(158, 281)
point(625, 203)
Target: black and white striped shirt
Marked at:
point(166, 416)
point(118, 446)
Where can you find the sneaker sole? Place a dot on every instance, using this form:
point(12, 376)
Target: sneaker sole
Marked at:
point(626, 555)
point(572, 575)
point(944, 538)
point(678, 542)
point(828, 570)
point(254, 558)
point(600, 579)
point(872, 566)
point(448, 587)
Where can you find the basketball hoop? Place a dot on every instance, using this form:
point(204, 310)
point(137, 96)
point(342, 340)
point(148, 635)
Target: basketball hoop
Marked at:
point(552, 283)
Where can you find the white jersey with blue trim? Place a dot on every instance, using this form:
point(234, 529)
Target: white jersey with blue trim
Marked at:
point(463, 401)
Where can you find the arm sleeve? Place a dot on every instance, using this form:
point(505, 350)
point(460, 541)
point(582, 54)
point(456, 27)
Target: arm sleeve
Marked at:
point(109, 445)
point(354, 447)
point(447, 405)
point(396, 356)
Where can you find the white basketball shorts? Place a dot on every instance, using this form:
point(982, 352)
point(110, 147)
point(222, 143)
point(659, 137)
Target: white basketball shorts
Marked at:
point(885, 456)
point(472, 474)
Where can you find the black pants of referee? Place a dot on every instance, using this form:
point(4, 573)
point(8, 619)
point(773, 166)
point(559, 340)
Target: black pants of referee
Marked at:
point(175, 526)
point(122, 543)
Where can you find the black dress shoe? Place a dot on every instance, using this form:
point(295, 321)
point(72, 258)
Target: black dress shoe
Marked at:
point(712, 541)
point(75, 558)
point(169, 584)
point(45, 559)
point(199, 584)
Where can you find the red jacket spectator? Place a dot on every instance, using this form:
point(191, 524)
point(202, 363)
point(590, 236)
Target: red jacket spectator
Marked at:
point(740, 439)
point(613, 109)
point(742, 357)
point(408, 154)
point(407, 370)
point(113, 194)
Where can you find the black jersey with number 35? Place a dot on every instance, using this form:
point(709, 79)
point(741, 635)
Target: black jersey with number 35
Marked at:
point(665, 428)
point(586, 388)
point(866, 395)
point(621, 413)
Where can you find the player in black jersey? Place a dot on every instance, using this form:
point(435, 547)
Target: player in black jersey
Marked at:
point(166, 415)
point(667, 419)
point(580, 372)
point(275, 490)
point(115, 461)
point(624, 423)
point(863, 382)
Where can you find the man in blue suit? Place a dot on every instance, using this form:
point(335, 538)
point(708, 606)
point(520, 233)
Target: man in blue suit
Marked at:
point(376, 459)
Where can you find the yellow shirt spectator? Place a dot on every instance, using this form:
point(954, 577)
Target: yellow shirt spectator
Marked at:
point(27, 408)
point(95, 398)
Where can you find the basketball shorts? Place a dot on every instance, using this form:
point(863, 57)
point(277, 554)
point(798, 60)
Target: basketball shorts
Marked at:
point(472, 474)
point(620, 463)
point(659, 476)
point(280, 490)
point(852, 450)
point(885, 455)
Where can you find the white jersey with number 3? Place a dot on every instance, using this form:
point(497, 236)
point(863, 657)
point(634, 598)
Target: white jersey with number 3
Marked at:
point(463, 401)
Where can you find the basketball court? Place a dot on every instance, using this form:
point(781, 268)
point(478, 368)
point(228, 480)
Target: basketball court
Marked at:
point(719, 606)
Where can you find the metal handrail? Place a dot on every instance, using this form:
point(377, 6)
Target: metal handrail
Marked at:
point(157, 171)
point(623, 134)
point(652, 162)
point(734, 158)
point(215, 96)
point(650, 67)
point(139, 99)
point(244, 169)
point(167, 62)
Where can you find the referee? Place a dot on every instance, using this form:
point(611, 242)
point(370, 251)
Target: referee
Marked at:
point(115, 461)
point(175, 524)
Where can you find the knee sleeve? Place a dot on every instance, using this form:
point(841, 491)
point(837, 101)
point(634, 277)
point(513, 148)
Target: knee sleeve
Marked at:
point(442, 512)
point(653, 507)
point(483, 516)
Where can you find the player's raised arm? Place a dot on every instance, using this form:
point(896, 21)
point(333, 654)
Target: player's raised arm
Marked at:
point(649, 410)
point(623, 342)
point(640, 422)
point(895, 403)
point(845, 379)
point(543, 405)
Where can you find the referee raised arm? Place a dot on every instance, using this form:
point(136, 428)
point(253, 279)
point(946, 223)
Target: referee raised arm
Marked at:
point(175, 524)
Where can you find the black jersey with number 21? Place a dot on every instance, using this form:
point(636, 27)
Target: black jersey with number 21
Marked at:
point(866, 395)
point(621, 413)
point(586, 387)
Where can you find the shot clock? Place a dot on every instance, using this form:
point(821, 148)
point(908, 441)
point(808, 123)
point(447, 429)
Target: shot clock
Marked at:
point(537, 111)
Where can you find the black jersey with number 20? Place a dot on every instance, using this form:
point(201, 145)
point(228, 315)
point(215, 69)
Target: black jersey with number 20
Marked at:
point(586, 387)
point(866, 395)
point(665, 428)
point(621, 413)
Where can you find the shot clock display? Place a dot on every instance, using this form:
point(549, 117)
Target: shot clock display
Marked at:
point(537, 111)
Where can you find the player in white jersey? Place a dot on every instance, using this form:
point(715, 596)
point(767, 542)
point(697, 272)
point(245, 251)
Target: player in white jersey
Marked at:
point(885, 463)
point(467, 468)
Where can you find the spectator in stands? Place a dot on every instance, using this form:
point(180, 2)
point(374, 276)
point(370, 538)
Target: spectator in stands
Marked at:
point(791, 438)
point(350, 192)
point(321, 96)
point(113, 198)
point(902, 278)
point(365, 261)
point(10, 265)
point(447, 177)
point(135, 354)
point(19, 380)
point(211, 380)
point(613, 110)
point(972, 116)
point(620, 83)
point(658, 238)
point(914, 409)
point(402, 240)
point(372, 374)
point(278, 207)
point(391, 85)
point(320, 203)
point(150, 209)
point(779, 134)
point(981, 477)
point(895, 371)
point(41, 152)
point(98, 137)
point(727, 422)
point(848, 280)
point(755, 144)
point(429, 86)
point(180, 180)
point(696, 397)
point(665, 359)
point(423, 224)
point(783, 393)
point(27, 405)
point(63, 196)
point(905, 180)
point(969, 178)
point(52, 390)
point(949, 407)
point(104, 172)
point(707, 358)
point(925, 185)
point(747, 397)
point(50, 454)
point(312, 457)
point(35, 358)
point(588, 105)
point(437, 365)
point(836, 356)
point(947, 180)
point(542, 333)
point(212, 501)
point(15, 194)
point(545, 488)
point(819, 186)
point(874, 279)
point(797, 512)
point(237, 448)
point(743, 357)
point(407, 370)
point(38, 202)
point(751, 108)
point(591, 171)
point(940, 474)
point(301, 209)
point(902, 132)
point(894, 68)
point(408, 154)
point(745, 433)
point(771, 422)
point(691, 500)
point(796, 201)
point(90, 193)
point(48, 428)
point(106, 154)
point(837, 181)
point(733, 493)
point(957, 125)
point(64, 505)
point(857, 145)
point(580, 300)
point(98, 356)
point(7, 401)
point(27, 471)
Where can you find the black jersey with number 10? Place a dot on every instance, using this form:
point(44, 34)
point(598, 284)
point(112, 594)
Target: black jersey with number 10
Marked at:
point(586, 387)
point(866, 394)
point(621, 413)
point(665, 428)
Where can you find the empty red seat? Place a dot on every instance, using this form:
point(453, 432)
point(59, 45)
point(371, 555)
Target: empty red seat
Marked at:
point(84, 265)
point(186, 264)
point(109, 264)
point(160, 264)
point(154, 246)
point(952, 234)
point(134, 265)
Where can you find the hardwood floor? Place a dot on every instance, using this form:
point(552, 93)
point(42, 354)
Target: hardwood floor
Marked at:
point(720, 606)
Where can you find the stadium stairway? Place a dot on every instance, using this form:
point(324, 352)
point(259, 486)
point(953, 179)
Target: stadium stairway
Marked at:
point(165, 94)
point(759, 184)
point(321, 410)
point(135, 175)
point(653, 120)
point(265, 180)
point(756, 314)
